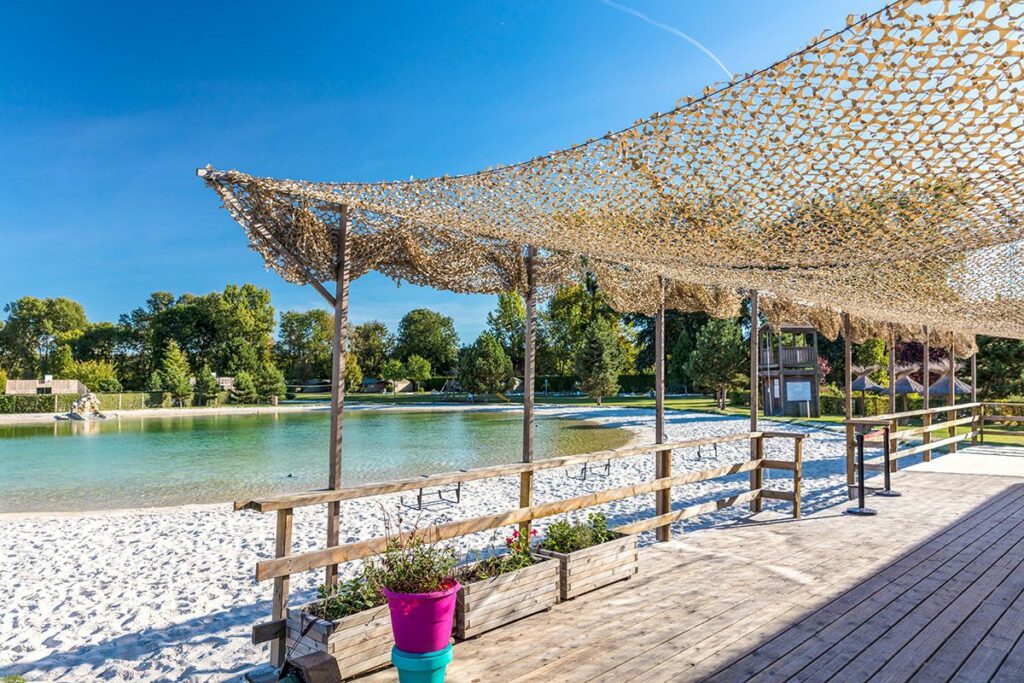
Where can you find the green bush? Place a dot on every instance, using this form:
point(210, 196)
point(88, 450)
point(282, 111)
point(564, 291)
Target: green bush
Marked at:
point(435, 383)
point(636, 384)
point(346, 598)
point(563, 537)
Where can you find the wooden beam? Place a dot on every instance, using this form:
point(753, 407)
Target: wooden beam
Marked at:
point(756, 445)
point(926, 370)
point(529, 349)
point(268, 630)
point(848, 403)
point(882, 419)
point(235, 208)
point(322, 496)
point(338, 386)
point(269, 569)
point(892, 368)
point(951, 399)
point(279, 604)
point(663, 459)
point(686, 513)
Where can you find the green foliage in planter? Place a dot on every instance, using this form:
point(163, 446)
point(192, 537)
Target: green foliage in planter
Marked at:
point(563, 537)
point(345, 598)
point(411, 565)
point(12, 679)
point(517, 557)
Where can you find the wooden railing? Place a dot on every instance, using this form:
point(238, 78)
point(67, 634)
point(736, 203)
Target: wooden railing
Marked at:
point(792, 356)
point(991, 414)
point(284, 564)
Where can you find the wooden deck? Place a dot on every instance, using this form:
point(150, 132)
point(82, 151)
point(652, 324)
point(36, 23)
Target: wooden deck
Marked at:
point(931, 589)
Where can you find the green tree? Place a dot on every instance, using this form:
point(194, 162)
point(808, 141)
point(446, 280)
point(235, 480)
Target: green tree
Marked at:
point(507, 323)
point(136, 354)
point(373, 345)
point(1000, 367)
point(97, 375)
point(392, 371)
point(678, 372)
point(99, 341)
point(353, 373)
point(35, 329)
point(417, 370)
point(485, 367)
point(566, 318)
point(245, 388)
point(303, 349)
point(430, 335)
point(174, 373)
point(206, 385)
point(873, 352)
point(718, 354)
point(269, 381)
point(3, 381)
point(61, 361)
point(597, 362)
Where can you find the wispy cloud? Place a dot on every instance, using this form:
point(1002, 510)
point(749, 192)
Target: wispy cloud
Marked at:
point(670, 29)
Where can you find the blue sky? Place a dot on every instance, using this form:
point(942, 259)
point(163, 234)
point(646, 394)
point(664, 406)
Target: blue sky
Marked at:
point(107, 108)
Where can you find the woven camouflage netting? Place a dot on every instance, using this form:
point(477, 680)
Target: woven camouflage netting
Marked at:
point(877, 172)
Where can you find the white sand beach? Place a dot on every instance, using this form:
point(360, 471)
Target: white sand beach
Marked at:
point(169, 594)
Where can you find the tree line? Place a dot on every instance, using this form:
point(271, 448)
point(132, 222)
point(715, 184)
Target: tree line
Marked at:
point(179, 344)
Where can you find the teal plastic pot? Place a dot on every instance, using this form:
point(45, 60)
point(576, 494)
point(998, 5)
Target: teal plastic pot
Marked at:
point(429, 667)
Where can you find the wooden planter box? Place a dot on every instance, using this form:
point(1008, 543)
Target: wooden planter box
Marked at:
point(360, 642)
point(585, 570)
point(487, 604)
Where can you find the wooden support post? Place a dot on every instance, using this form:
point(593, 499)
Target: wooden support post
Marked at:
point(798, 475)
point(893, 443)
point(338, 386)
point(926, 369)
point(981, 424)
point(283, 547)
point(663, 459)
point(529, 348)
point(926, 438)
point(978, 411)
point(851, 475)
point(756, 449)
point(974, 377)
point(892, 369)
point(951, 399)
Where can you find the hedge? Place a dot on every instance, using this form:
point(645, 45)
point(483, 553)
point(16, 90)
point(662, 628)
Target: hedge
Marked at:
point(132, 400)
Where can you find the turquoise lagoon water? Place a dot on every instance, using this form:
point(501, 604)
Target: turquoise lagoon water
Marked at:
point(157, 461)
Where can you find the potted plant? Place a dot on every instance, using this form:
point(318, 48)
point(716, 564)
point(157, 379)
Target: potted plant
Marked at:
point(418, 581)
point(590, 555)
point(504, 587)
point(350, 621)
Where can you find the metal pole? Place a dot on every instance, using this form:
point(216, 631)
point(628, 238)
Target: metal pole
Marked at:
point(529, 347)
point(861, 508)
point(338, 387)
point(663, 459)
point(887, 492)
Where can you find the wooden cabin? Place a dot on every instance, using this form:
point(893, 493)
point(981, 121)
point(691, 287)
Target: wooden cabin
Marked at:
point(790, 378)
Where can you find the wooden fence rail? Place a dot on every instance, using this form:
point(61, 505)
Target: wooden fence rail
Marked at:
point(980, 414)
point(284, 564)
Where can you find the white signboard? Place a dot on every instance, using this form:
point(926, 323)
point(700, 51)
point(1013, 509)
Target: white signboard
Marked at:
point(775, 388)
point(798, 391)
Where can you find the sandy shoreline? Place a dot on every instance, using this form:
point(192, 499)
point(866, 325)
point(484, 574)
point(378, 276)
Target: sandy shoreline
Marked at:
point(49, 418)
point(169, 594)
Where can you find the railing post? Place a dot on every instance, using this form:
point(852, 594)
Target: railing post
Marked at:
point(891, 438)
point(926, 438)
point(798, 459)
point(887, 470)
point(981, 424)
point(757, 474)
point(976, 413)
point(283, 547)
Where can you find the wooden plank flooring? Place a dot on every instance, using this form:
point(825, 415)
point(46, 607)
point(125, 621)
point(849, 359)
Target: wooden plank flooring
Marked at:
point(931, 589)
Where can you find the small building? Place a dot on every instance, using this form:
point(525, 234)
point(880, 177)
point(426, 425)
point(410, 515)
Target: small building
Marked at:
point(372, 385)
point(790, 377)
point(47, 385)
point(226, 383)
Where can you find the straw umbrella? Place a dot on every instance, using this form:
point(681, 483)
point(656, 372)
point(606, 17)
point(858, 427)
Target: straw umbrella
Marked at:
point(864, 383)
point(905, 384)
point(941, 385)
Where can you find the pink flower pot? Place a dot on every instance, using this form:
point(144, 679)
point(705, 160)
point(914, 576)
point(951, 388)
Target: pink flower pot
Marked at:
point(422, 622)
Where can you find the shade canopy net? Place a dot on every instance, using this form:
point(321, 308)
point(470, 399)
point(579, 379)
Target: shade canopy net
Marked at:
point(876, 172)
